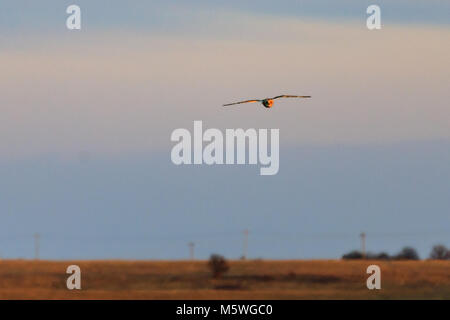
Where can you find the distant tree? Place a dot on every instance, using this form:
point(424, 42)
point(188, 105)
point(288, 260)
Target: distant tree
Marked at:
point(218, 265)
point(378, 256)
point(407, 253)
point(371, 256)
point(440, 252)
point(383, 256)
point(352, 255)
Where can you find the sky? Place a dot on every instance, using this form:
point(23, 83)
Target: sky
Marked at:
point(86, 119)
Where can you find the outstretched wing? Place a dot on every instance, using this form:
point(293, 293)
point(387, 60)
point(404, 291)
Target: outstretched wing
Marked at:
point(289, 96)
point(246, 101)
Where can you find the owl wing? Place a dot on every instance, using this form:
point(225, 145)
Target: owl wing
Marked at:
point(240, 102)
point(289, 96)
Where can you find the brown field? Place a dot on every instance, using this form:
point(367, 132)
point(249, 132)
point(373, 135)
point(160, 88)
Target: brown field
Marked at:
point(296, 279)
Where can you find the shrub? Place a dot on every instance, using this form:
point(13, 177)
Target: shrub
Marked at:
point(440, 252)
point(353, 255)
point(218, 265)
point(407, 253)
point(383, 256)
point(378, 256)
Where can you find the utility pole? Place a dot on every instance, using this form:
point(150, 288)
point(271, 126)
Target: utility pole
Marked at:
point(244, 257)
point(36, 246)
point(363, 244)
point(191, 250)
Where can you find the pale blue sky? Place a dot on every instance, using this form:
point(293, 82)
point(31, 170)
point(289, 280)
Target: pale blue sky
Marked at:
point(160, 14)
point(87, 117)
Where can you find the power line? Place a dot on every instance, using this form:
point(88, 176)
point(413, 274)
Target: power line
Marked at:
point(244, 256)
point(205, 239)
point(207, 236)
point(363, 244)
point(191, 250)
point(36, 246)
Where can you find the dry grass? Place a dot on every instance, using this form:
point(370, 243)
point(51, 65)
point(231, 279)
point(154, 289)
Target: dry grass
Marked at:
point(295, 279)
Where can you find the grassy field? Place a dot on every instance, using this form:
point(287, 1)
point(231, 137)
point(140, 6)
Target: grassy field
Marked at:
point(296, 279)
